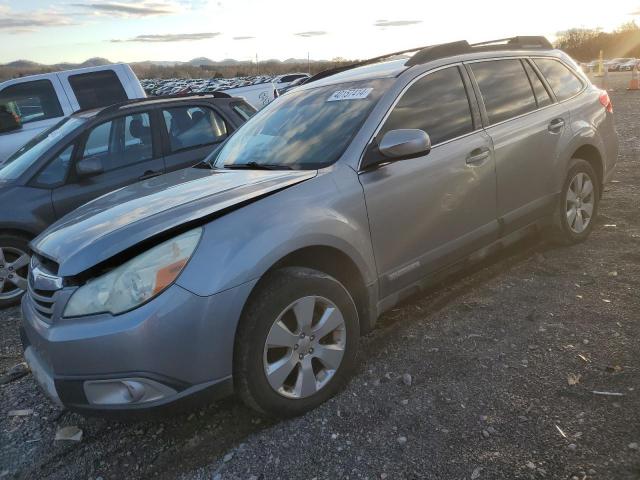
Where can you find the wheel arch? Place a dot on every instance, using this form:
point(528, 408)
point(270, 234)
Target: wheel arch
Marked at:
point(591, 154)
point(339, 265)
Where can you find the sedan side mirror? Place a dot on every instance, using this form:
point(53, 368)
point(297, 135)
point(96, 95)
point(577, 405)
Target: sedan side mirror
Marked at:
point(9, 121)
point(404, 143)
point(89, 167)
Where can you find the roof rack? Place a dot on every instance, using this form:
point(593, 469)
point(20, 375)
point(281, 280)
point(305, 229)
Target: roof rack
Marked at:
point(160, 98)
point(435, 52)
point(459, 48)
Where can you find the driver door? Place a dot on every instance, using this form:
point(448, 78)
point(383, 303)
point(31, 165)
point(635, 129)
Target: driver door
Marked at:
point(127, 149)
point(429, 211)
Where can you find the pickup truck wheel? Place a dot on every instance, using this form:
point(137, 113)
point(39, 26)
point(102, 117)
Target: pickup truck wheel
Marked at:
point(14, 267)
point(297, 342)
point(578, 204)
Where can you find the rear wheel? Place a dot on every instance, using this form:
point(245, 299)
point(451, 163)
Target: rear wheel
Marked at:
point(14, 267)
point(297, 342)
point(578, 204)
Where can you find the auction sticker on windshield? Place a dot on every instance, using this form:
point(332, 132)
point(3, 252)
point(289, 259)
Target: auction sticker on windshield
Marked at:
point(350, 94)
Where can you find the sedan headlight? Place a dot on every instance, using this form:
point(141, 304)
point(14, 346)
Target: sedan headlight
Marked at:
point(137, 280)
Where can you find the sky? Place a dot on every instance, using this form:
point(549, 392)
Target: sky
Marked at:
point(179, 30)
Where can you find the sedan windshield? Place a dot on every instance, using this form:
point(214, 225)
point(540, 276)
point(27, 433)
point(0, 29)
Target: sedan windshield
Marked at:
point(307, 129)
point(19, 162)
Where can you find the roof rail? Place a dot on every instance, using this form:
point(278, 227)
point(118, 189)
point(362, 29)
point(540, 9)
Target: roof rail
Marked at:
point(435, 52)
point(459, 48)
point(159, 98)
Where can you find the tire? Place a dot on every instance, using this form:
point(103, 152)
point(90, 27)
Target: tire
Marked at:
point(14, 265)
point(565, 229)
point(282, 300)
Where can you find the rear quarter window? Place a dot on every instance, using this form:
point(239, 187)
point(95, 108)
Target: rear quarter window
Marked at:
point(505, 88)
point(564, 83)
point(97, 89)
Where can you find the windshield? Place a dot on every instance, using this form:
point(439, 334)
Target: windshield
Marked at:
point(19, 162)
point(303, 130)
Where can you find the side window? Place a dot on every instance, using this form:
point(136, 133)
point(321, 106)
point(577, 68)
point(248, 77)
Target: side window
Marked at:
point(505, 89)
point(32, 101)
point(437, 104)
point(121, 142)
point(56, 171)
point(191, 127)
point(243, 109)
point(97, 89)
point(564, 83)
point(542, 96)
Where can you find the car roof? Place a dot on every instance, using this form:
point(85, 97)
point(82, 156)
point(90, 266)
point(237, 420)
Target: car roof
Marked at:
point(153, 101)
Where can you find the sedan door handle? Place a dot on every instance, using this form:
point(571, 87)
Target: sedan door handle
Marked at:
point(556, 125)
point(478, 156)
point(149, 174)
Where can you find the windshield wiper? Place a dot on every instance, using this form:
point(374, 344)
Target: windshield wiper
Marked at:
point(256, 166)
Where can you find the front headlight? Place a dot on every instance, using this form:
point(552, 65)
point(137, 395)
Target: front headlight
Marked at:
point(137, 280)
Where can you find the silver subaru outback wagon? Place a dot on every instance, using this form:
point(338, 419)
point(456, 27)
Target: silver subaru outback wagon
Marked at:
point(257, 272)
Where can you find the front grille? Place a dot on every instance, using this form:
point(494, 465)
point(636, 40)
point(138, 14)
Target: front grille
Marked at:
point(43, 285)
point(42, 301)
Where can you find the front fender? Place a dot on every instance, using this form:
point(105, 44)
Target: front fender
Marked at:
point(242, 245)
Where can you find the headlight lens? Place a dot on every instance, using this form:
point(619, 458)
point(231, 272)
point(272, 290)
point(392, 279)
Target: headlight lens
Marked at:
point(137, 280)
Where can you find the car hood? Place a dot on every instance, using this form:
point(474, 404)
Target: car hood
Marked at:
point(127, 217)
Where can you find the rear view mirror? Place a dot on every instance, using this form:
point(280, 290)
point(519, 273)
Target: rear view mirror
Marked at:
point(404, 143)
point(89, 167)
point(9, 121)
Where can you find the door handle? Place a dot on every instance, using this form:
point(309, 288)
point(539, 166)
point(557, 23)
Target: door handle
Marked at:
point(149, 174)
point(556, 125)
point(478, 156)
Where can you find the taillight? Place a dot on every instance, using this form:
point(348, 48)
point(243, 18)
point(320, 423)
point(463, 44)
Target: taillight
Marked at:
point(606, 101)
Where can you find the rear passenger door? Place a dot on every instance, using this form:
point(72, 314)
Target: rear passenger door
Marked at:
point(427, 212)
point(126, 148)
point(190, 133)
point(527, 128)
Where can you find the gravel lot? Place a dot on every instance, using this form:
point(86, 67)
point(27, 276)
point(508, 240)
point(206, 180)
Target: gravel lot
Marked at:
point(491, 375)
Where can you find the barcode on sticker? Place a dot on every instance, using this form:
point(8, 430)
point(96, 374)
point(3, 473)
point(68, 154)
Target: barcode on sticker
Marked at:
point(350, 94)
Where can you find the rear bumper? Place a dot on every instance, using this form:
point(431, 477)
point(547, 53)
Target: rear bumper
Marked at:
point(177, 347)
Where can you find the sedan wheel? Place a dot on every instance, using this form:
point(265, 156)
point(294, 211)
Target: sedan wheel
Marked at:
point(580, 202)
point(14, 266)
point(304, 347)
point(297, 342)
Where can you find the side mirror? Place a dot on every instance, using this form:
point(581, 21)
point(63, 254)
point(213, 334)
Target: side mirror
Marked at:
point(404, 143)
point(89, 167)
point(9, 121)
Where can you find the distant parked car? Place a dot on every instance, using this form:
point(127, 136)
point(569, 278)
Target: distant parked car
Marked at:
point(94, 152)
point(630, 65)
point(41, 101)
point(258, 90)
point(615, 64)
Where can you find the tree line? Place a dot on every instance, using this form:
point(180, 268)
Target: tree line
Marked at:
point(585, 44)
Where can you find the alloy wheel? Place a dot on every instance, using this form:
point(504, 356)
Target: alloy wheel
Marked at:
point(14, 266)
point(305, 347)
point(580, 202)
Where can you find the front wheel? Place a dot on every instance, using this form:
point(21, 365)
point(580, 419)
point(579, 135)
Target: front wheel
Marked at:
point(578, 204)
point(297, 342)
point(14, 266)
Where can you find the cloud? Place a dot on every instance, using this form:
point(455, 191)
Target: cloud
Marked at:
point(17, 23)
point(142, 9)
point(310, 34)
point(243, 38)
point(170, 37)
point(396, 23)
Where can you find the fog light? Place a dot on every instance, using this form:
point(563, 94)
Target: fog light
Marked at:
point(125, 391)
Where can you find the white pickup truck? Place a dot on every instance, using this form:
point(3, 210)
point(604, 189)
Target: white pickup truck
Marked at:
point(29, 105)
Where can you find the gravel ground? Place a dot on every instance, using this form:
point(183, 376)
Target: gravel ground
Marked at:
point(491, 375)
